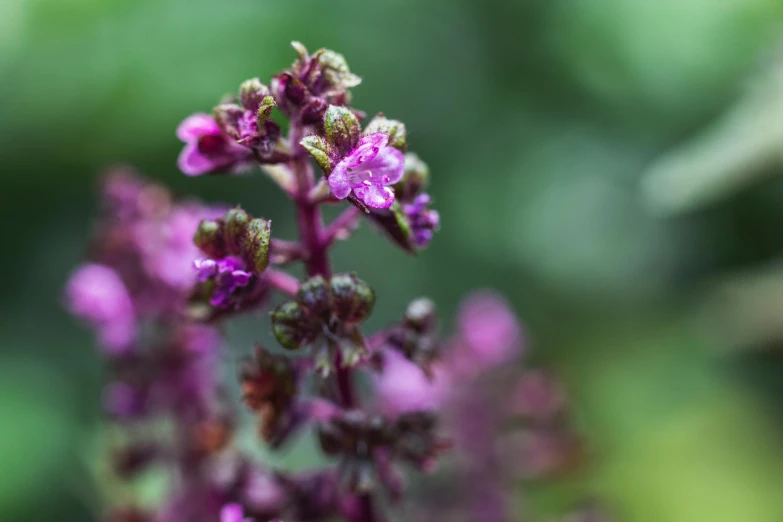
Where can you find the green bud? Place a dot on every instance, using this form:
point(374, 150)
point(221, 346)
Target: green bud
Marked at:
point(265, 110)
point(234, 224)
point(353, 298)
point(251, 93)
point(342, 127)
point(209, 239)
point(302, 55)
point(314, 295)
point(415, 179)
point(335, 71)
point(320, 150)
point(254, 245)
point(398, 136)
point(392, 221)
point(292, 326)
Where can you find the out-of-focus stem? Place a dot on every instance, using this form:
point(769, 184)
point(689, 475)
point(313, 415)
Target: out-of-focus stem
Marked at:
point(341, 225)
point(282, 281)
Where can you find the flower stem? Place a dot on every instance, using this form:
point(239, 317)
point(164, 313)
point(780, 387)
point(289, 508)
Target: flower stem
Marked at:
point(316, 241)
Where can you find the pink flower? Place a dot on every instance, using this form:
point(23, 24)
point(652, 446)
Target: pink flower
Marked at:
point(232, 513)
point(368, 170)
point(97, 294)
point(207, 148)
point(489, 329)
point(403, 387)
point(229, 275)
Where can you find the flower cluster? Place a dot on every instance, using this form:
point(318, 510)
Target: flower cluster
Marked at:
point(164, 276)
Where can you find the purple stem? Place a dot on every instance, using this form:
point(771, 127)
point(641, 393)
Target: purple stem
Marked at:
point(313, 238)
point(283, 281)
point(342, 224)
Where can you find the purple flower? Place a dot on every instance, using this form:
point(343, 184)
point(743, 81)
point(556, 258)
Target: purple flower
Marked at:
point(232, 513)
point(423, 220)
point(97, 294)
point(207, 148)
point(228, 274)
point(167, 244)
point(368, 170)
point(490, 330)
point(403, 387)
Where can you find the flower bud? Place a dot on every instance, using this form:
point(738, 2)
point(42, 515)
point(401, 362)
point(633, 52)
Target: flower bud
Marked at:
point(254, 246)
point(228, 116)
point(334, 71)
point(234, 224)
point(295, 91)
point(251, 94)
point(353, 298)
point(209, 238)
point(398, 137)
point(313, 112)
point(314, 295)
point(262, 117)
point(415, 179)
point(292, 326)
point(342, 128)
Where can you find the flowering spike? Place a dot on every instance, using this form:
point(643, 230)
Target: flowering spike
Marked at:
point(151, 296)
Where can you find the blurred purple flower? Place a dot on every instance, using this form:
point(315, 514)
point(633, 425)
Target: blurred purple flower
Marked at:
point(489, 328)
point(97, 294)
point(167, 244)
point(403, 387)
point(368, 170)
point(423, 221)
point(207, 148)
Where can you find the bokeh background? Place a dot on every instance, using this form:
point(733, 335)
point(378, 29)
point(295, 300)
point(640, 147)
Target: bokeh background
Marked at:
point(612, 166)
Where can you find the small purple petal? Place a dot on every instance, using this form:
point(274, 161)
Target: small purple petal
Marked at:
point(197, 125)
point(489, 328)
point(192, 162)
point(375, 196)
point(231, 513)
point(339, 182)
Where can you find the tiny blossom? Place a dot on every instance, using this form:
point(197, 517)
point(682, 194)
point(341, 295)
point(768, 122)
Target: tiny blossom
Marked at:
point(232, 513)
point(168, 246)
point(368, 170)
point(97, 294)
point(491, 331)
point(228, 274)
point(207, 148)
point(423, 221)
point(403, 387)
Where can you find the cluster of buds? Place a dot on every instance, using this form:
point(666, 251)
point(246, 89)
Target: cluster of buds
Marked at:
point(166, 275)
point(326, 315)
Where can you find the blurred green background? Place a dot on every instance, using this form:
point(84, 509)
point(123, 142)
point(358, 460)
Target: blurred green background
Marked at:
point(612, 166)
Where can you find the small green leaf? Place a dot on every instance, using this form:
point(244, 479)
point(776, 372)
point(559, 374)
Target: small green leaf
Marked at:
point(320, 150)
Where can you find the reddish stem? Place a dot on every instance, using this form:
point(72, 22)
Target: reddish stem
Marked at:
point(316, 242)
point(282, 281)
point(341, 225)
